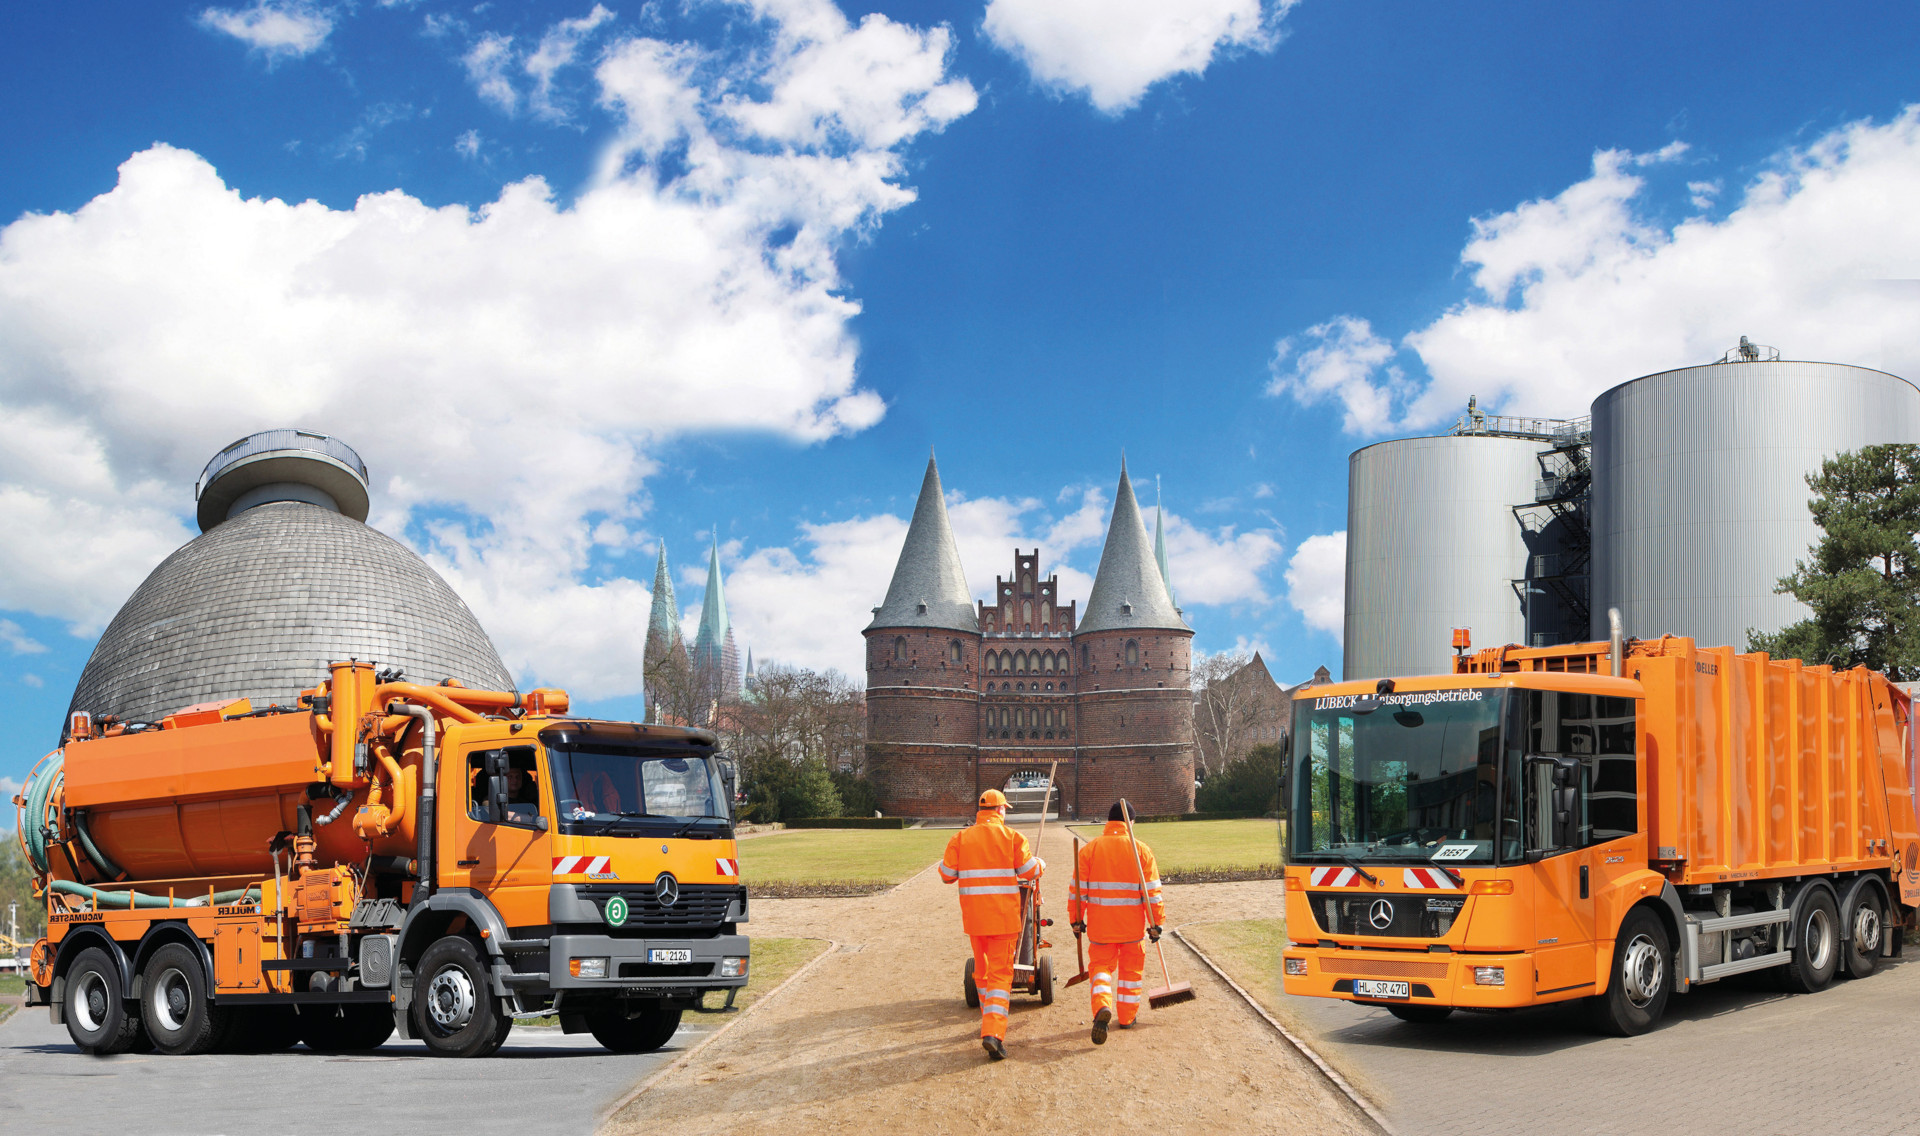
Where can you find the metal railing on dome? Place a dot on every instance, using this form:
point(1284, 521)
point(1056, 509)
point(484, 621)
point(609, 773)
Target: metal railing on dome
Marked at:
point(267, 441)
point(1561, 431)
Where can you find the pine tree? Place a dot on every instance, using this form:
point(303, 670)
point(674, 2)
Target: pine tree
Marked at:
point(1863, 578)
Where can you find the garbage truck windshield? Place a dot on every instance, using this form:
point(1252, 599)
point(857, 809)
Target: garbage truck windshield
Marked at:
point(624, 789)
point(1412, 777)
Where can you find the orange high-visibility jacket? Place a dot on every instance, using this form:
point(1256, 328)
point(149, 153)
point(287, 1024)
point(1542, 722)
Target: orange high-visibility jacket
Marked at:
point(988, 861)
point(1107, 893)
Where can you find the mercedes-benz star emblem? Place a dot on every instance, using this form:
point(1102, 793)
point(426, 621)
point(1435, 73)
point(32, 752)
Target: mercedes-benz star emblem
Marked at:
point(1380, 914)
point(666, 891)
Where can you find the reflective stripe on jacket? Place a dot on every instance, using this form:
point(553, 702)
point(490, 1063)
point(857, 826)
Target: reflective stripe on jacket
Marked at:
point(1107, 893)
point(988, 861)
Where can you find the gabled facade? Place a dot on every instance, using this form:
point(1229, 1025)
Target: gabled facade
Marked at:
point(964, 696)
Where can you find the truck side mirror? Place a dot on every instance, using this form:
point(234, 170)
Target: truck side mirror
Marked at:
point(496, 796)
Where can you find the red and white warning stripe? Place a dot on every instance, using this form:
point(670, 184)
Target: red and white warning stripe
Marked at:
point(1428, 878)
point(1334, 877)
point(727, 867)
point(571, 865)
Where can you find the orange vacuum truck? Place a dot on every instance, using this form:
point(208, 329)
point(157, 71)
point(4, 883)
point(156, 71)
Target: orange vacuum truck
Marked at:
point(1616, 822)
point(433, 859)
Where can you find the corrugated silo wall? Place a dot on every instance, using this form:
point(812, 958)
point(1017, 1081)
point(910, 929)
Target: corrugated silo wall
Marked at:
point(1699, 490)
point(1433, 544)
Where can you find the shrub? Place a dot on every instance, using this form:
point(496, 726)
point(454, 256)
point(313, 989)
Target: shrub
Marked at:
point(850, 822)
point(857, 795)
point(1249, 786)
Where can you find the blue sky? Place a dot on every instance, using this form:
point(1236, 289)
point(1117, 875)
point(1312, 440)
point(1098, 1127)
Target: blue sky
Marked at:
point(739, 265)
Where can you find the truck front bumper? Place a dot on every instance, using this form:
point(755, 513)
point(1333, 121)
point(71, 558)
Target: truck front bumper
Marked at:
point(1432, 978)
point(628, 965)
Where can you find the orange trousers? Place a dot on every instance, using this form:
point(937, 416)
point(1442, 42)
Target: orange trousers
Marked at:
point(993, 975)
point(1116, 970)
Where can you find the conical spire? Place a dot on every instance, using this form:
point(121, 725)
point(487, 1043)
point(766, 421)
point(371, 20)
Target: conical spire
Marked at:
point(929, 587)
point(663, 622)
point(1160, 545)
point(711, 640)
point(1128, 590)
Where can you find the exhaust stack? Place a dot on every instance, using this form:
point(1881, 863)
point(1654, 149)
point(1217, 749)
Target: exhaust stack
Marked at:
point(1616, 642)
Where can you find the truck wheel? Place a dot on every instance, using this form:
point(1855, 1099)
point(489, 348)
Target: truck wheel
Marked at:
point(345, 1029)
point(1420, 1015)
point(97, 1019)
point(967, 988)
point(1866, 929)
point(454, 1010)
point(1043, 979)
point(644, 1032)
point(1642, 978)
point(174, 1003)
point(1816, 955)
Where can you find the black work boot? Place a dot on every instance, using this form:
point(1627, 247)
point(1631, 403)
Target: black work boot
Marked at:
point(996, 1049)
point(1100, 1021)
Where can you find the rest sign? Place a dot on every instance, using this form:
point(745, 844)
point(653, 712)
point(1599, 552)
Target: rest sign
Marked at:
point(616, 911)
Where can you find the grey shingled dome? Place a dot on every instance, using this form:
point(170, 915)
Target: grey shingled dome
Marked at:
point(929, 587)
point(258, 605)
point(1128, 590)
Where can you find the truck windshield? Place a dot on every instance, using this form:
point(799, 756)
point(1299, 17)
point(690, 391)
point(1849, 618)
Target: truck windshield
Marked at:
point(1411, 777)
point(634, 790)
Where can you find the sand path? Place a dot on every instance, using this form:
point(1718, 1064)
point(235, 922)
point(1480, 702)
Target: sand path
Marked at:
point(877, 1036)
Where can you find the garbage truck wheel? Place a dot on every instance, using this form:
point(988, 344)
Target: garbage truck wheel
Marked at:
point(1641, 981)
point(454, 1010)
point(97, 1019)
point(642, 1032)
point(174, 1005)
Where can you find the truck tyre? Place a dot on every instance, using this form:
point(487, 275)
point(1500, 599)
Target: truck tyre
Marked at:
point(175, 1006)
point(345, 1029)
point(1816, 951)
point(1866, 928)
point(644, 1032)
point(97, 1019)
point(1641, 979)
point(968, 989)
point(454, 1010)
point(1420, 1015)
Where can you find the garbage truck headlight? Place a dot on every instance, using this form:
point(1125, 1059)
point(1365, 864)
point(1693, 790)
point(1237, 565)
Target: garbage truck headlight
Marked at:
point(1297, 967)
point(1489, 976)
point(588, 968)
point(733, 968)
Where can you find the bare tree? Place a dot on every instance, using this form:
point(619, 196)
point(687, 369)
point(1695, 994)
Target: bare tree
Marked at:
point(799, 715)
point(1236, 705)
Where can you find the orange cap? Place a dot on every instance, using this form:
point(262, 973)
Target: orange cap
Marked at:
point(993, 799)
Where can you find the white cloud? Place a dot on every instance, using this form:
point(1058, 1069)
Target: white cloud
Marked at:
point(9, 788)
point(554, 346)
point(279, 30)
point(18, 641)
point(1341, 359)
point(467, 145)
point(558, 48)
point(33, 680)
point(1578, 292)
point(1113, 50)
point(487, 62)
point(1317, 582)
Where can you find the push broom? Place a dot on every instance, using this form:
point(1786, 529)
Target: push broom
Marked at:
point(1079, 948)
point(1173, 993)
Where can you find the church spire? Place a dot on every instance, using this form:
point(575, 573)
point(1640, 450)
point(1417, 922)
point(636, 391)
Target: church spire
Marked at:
point(1128, 589)
point(663, 622)
point(713, 645)
point(929, 587)
point(1160, 544)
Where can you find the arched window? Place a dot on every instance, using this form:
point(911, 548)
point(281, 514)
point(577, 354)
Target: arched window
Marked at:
point(1085, 653)
point(1049, 719)
point(1049, 662)
point(1026, 583)
point(1049, 686)
point(899, 648)
point(1020, 663)
point(953, 651)
point(1046, 612)
point(1133, 652)
point(1026, 614)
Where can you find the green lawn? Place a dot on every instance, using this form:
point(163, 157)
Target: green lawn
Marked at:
point(1191, 846)
point(860, 859)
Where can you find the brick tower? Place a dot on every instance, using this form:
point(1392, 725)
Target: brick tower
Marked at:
point(962, 698)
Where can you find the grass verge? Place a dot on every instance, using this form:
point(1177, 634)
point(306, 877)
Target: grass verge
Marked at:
point(1208, 851)
point(11, 984)
point(835, 861)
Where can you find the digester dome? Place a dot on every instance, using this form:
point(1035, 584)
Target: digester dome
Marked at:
point(259, 604)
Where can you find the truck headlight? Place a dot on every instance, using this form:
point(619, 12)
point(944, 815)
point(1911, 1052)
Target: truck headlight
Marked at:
point(1297, 967)
point(588, 968)
point(733, 968)
point(1489, 976)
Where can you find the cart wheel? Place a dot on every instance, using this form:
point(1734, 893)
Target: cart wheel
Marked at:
point(973, 992)
point(1043, 978)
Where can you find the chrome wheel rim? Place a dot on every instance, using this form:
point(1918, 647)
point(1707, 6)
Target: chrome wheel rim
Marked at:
point(1816, 940)
point(1866, 929)
point(450, 999)
point(90, 1002)
point(1643, 971)
point(169, 1000)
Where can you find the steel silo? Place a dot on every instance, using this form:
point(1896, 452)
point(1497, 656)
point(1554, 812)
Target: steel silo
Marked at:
point(1699, 490)
point(1433, 544)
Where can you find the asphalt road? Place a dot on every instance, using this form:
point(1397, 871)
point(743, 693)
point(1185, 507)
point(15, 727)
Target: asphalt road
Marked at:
point(541, 1081)
point(1731, 1057)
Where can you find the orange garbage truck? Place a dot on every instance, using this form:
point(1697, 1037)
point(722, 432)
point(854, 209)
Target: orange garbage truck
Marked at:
point(1615, 822)
point(436, 860)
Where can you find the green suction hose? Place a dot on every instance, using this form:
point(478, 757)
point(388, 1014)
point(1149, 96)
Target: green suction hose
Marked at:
point(119, 899)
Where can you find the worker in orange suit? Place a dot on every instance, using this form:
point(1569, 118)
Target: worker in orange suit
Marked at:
point(988, 860)
point(1105, 903)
